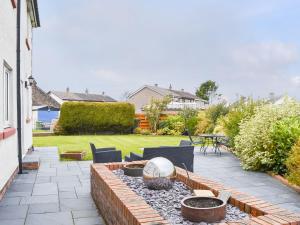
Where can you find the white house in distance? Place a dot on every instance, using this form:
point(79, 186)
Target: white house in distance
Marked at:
point(17, 18)
point(67, 96)
point(180, 98)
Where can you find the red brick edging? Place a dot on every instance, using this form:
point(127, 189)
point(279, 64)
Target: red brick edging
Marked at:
point(119, 205)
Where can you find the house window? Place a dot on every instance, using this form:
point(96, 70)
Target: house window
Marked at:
point(7, 87)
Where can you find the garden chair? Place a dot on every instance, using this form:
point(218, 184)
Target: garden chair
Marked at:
point(178, 155)
point(185, 143)
point(200, 141)
point(220, 142)
point(99, 155)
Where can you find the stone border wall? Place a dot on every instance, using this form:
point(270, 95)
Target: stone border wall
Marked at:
point(119, 205)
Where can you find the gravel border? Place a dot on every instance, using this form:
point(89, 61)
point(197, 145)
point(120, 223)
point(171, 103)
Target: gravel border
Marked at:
point(167, 203)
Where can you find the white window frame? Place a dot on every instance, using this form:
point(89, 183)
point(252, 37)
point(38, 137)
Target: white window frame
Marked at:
point(7, 96)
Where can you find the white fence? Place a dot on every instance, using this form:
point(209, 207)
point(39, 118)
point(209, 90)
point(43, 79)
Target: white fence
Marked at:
point(182, 105)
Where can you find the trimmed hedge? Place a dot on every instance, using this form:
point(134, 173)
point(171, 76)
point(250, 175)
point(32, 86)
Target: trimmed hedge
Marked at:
point(93, 118)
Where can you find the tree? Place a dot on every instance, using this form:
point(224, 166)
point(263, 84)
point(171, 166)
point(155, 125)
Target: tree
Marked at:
point(154, 110)
point(207, 90)
point(190, 120)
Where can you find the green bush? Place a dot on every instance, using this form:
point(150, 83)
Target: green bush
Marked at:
point(172, 125)
point(203, 123)
point(293, 164)
point(241, 110)
point(190, 119)
point(91, 118)
point(254, 143)
point(284, 134)
point(209, 119)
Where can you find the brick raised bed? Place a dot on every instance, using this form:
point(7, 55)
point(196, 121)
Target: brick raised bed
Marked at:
point(119, 205)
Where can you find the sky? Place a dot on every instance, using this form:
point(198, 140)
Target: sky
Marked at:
point(250, 48)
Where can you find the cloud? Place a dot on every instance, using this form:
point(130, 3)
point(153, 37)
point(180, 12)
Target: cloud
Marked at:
point(295, 80)
point(120, 45)
point(266, 55)
point(107, 75)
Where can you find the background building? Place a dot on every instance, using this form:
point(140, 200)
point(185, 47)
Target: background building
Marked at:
point(67, 96)
point(180, 98)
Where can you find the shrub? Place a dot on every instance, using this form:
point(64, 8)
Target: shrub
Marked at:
point(137, 130)
point(90, 118)
point(284, 134)
point(241, 110)
point(190, 119)
point(145, 132)
point(203, 123)
point(254, 143)
point(293, 164)
point(213, 113)
point(154, 110)
point(172, 125)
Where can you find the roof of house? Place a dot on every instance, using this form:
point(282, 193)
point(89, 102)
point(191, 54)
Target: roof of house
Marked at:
point(167, 91)
point(86, 97)
point(41, 98)
point(34, 13)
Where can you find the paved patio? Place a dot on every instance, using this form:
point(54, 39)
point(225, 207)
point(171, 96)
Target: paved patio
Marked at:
point(227, 170)
point(59, 192)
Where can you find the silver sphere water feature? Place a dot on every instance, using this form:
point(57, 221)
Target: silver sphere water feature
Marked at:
point(159, 173)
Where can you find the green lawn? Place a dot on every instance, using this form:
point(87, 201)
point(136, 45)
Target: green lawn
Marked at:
point(126, 143)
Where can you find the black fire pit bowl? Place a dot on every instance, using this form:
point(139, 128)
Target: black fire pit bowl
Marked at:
point(133, 170)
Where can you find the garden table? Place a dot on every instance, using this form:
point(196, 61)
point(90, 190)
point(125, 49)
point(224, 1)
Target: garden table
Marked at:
point(213, 138)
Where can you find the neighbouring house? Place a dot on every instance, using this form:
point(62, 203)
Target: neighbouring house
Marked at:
point(68, 96)
point(179, 98)
point(17, 19)
point(45, 110)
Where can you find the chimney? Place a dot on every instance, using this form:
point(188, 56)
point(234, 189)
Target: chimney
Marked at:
point(67, 89)
point(156, 85)
point(182, 89)
point(103, 93)
point(87, 91)
point(170, 87)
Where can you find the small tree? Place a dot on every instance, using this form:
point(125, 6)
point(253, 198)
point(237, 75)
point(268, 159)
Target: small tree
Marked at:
point(207, 90)
point(154, 110)
point(190, 120)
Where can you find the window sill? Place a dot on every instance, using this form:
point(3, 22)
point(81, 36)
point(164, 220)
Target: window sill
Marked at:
point(7, 132)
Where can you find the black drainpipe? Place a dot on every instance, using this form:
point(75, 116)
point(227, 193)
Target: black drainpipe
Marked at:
point(19, 119)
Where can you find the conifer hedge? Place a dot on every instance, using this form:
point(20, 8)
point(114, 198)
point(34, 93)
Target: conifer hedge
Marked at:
point(94, 118)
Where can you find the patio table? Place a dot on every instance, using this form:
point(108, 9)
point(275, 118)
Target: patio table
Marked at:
point(213, 138)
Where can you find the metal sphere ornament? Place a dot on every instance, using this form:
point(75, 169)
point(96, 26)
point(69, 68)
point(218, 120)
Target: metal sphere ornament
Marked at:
point(159, 173)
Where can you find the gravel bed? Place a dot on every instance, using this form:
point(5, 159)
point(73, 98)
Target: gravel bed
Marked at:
point(167, 203)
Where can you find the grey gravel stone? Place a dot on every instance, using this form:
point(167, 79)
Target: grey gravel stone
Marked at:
point(167, 202)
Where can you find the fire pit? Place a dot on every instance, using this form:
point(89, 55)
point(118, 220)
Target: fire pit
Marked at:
point(134, 170)
point(203, 209)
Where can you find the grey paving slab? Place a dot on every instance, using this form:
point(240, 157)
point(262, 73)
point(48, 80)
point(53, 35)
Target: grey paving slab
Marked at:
point(39, 199)
point(89, 221)
point(84, 213)
point(77, 204)
point(67, 194)
point(45, 189)
point(6, 201)
point(12, 222)
point(60, 218)
point(43, 208)
point(227, 170)
point(13, 212)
